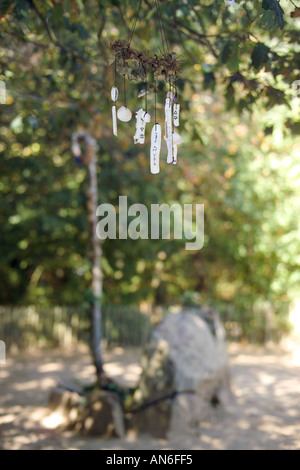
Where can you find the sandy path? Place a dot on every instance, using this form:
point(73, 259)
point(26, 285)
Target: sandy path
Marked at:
point(264, 415)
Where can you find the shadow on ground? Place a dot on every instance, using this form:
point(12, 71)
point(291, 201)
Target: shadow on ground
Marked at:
point(265, 413)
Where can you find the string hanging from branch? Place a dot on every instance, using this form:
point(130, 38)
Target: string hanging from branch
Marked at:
point(139, 66)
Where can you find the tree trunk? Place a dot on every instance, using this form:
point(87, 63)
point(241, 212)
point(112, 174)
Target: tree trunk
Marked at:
point(89, 159)
point(95, 257)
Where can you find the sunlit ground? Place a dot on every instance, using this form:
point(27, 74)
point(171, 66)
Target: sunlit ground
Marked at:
point(264, 415)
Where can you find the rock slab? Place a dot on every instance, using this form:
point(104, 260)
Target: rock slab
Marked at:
point(184, 368)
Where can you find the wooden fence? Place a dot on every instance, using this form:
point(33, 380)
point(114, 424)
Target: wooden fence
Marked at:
point(125, 326)
point(36, 327)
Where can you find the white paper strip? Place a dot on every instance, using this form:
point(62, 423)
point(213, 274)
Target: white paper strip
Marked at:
point(176, 140)
point(142, 117)
point(174, 154)
point(176, 109)
point(143, 93)
point(114, 120)
point(168, 129)
point(114, 93)
point(155, 148)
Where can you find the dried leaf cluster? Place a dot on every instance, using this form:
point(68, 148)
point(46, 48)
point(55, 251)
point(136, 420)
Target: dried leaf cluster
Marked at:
point(135, 64)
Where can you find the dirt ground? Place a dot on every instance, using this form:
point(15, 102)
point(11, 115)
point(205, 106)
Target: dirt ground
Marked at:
point(265, 413)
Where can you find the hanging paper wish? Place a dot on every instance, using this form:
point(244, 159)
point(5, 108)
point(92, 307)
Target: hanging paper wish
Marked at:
point(114, 120)
point(168, 129)
point(176, 109)
point(142, 118)
point(155, 148)
point(134, 65)
point(176, 140)
point(114, 96)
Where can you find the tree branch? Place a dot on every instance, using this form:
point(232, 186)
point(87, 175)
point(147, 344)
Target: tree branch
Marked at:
point(52, 36)
point(43, 20)
point(26, 40)
point(202, 38)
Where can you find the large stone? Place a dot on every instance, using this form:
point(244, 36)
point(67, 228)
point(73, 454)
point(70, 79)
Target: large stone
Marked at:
point(103, 415)
point(64, 405)
point(99, 414)
point(62, 400)
point(184, 369)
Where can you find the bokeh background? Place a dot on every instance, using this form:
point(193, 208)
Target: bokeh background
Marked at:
point(238, 91)
point(239, 121)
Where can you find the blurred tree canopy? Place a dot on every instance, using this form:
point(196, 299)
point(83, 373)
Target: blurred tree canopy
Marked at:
point(240, 116)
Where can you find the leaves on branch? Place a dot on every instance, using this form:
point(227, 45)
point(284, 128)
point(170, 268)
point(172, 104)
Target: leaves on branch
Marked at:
point(295, 13)
point(275, 96)
point(272, 15)
point(209, 81)
point(260, 55)
point(4, 7)
point(268, 20)
point(230, 56)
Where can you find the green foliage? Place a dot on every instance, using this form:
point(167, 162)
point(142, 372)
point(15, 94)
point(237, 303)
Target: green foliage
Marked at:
point(273, 14)
point(260, 55)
